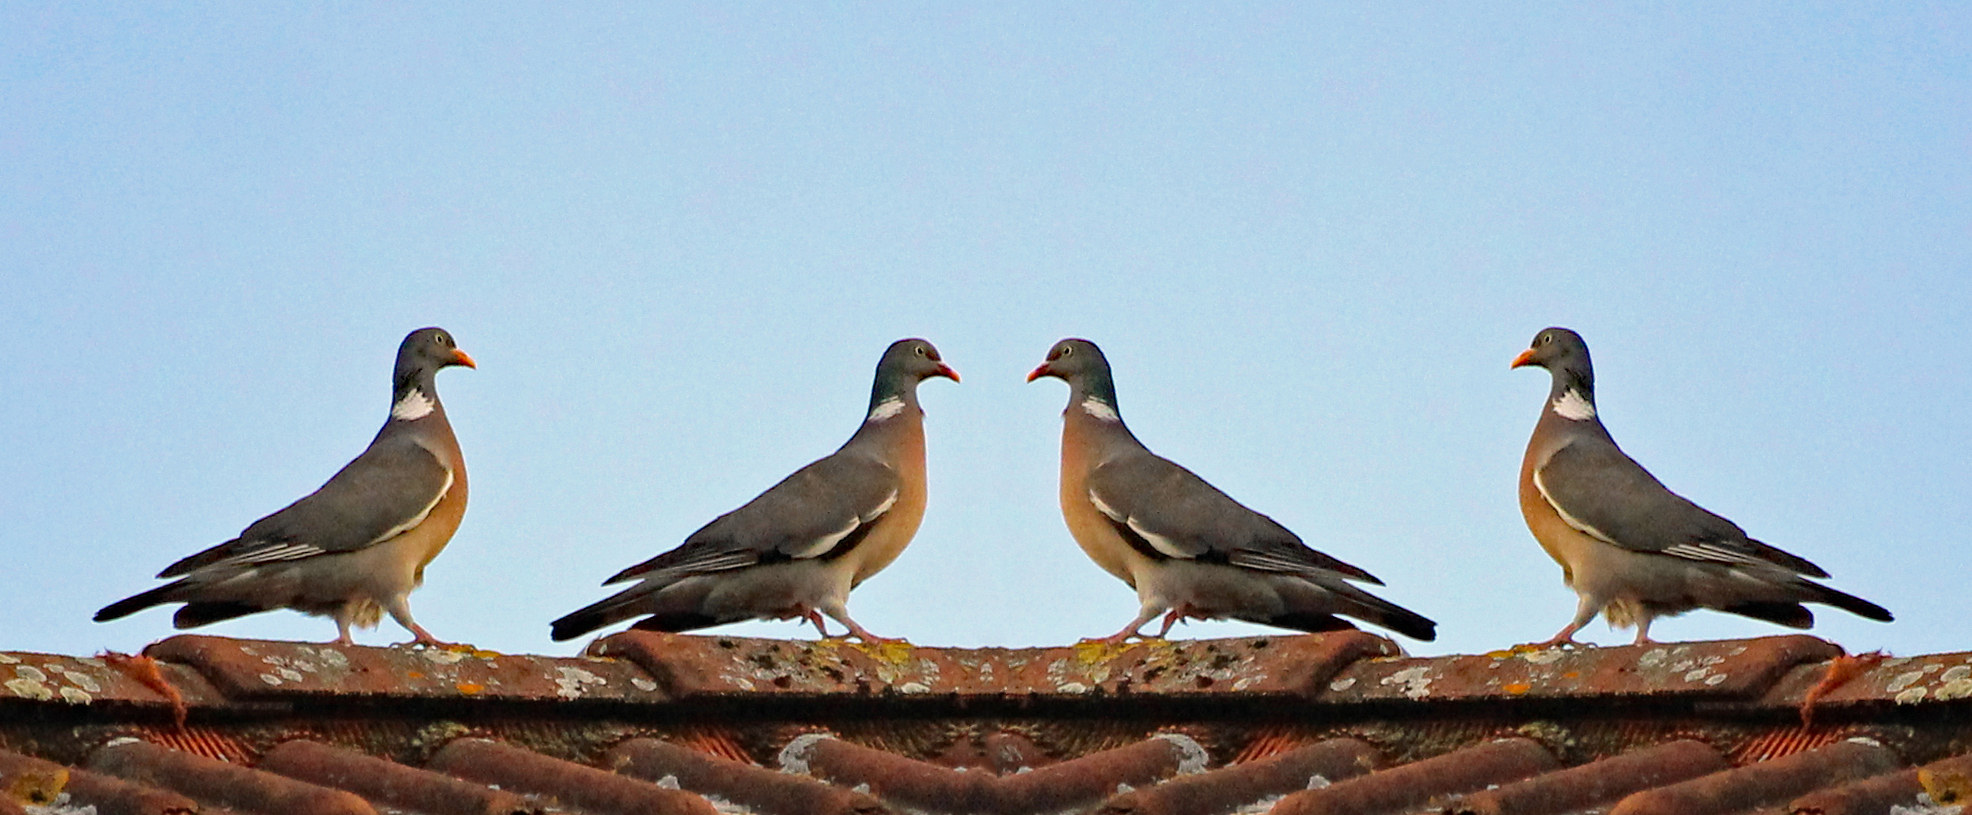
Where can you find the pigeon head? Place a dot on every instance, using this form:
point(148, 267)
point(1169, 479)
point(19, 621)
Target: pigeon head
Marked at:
point(1072, 361)
point(421, 355)
point(1081, 364)
point(1563, 353)
point(905, 363)
point(1557, 349)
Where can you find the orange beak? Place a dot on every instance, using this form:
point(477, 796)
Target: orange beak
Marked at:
point(1526, 358)
point(947, 372)
point(463, 358)
point(1039, 372)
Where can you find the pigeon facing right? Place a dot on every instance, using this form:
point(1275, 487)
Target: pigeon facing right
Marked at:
point(355, 548)
point(794, 552)
point(1630, 548)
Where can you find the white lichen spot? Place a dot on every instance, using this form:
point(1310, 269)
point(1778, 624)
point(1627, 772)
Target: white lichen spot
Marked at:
point(1072, 687)
point(1122, 788)
point(573, 681)
point(1546, 657)
point(1653, 658)
point(8, 660)
point(1316, 782)
point(1956, 673)
point(62, 805)
point(861, 789)
point(76, 696)
point(1904, 680)
point(795, 756)
point(1715, 679)
point(1416, 681)
point(643, 684)
point(669, 782)
point(1192, 757)
point(270, 679)
point(30, 689)
point(31, 672)
point(1955, 689)
point(81, 680)
point(914, 687)
point(1926, 806)
point(445, 656)
point(1342, 684)
point(1695, 674)
point(1911, 696)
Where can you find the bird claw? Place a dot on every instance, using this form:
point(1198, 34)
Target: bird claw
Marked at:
point(1563, 644)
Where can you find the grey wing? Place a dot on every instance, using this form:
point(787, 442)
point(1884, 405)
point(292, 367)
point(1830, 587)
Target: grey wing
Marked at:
point(1603, 493)
point(1167, 511)
point(821, 511)
point(387, 490)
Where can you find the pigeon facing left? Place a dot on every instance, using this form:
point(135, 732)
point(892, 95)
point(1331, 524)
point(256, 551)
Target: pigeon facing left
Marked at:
point(355, 548)
point(795, 551)
point(1188, 549)
point(1631, 549)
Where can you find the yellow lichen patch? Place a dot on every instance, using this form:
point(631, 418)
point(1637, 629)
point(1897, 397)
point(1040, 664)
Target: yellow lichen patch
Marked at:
point(1945, 788)
point(469, 688)
point(38, 787)
point(895, 652)
point(1516, 688)
point(1094, 652)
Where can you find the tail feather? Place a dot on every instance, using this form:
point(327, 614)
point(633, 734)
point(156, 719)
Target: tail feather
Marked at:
point(1313, 622)
point(610, 610)
point(1380, 612)
point(1792, 615)
point(193, 615)
point(1849, 603)
point(127, 606)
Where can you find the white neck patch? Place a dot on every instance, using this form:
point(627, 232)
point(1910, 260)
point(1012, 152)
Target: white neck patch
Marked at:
point(414, 405)
point(1572, 405)
point(1099, 409)
point(886, 409)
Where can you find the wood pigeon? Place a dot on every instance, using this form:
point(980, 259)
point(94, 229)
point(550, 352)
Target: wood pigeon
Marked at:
point(796, 551)
point(358, 546)
point(1631, 549)
point(1188, 549)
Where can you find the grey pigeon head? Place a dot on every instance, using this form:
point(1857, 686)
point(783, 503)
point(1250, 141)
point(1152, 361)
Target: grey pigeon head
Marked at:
point(424, 352)
point(906, 363)
point(1073, 360)
point(1081, 364)
point(1563, 353)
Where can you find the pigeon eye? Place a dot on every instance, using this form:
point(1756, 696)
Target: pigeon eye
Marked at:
point(1067, 350)
point(919, 350)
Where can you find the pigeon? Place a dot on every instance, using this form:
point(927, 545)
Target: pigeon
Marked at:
point(1188, 549)
point(1631, 549)
point(796, 551)
point(355, 548)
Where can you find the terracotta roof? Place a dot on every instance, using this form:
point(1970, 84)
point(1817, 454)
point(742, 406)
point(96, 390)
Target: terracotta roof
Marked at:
point(700, 724)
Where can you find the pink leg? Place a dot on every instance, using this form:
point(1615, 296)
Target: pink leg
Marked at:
point(815, 617)
point(1130, 630)
point(1172, 617)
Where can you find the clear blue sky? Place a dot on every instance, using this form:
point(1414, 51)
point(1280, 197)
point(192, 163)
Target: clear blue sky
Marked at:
point(677, 237)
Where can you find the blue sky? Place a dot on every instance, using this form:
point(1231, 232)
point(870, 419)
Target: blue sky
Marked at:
point(677, 237)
